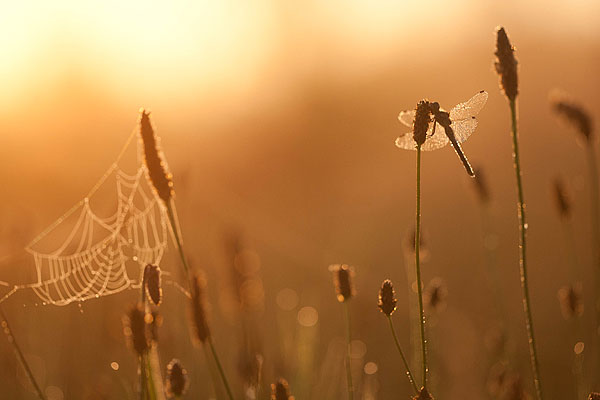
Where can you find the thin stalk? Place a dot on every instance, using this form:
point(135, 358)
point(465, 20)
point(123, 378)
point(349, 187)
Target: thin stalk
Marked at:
point(349, 384)
point(220, 368)
point(175, 228)
point(595, 220)
point(213, 373)
point(142, 358)
point(418, 270)
point(12, 340)
point(143, 376)
point(523, 255)
point(408, 373)
point(151, 386)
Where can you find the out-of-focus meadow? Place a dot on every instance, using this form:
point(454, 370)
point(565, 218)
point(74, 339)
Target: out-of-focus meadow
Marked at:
point(278, 120)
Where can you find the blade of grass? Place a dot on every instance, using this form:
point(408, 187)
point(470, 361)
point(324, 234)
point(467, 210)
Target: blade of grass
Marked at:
point(220, 368)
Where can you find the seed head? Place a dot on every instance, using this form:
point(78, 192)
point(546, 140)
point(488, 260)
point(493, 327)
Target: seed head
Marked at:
point(571, 303)
point(158, 173)
point(514, 389)
point(497, 378)
point(387, 298)
point(199, 315)
point(177, 380)
point(250, 367)
point(506, 65)
point(342, 279)
point(136, 329)
point(421, 122)
point(410, 242)
point(481, 186)
point(563, 204)
point(151, 283)
point(575, 114)
point(435, 294)
point(423, 395)
point(281, 390)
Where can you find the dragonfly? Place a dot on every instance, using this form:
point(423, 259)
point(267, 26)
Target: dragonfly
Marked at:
point(452, 127)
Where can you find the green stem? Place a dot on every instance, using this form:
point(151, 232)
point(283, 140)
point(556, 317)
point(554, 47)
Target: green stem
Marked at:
point(143, 383)
point(418, 270)
point(408, 373)
point(178, 241)
point(12, 340)
point(348, 352)
point(220, 368)
point(213, 373)
point(151, 385)
point(523, 255)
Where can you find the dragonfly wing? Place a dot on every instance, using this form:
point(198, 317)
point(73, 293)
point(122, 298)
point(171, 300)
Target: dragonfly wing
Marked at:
point(436, 140)
point(464, 128)
point(470, 107)
point(406, 141)
point(407, 117)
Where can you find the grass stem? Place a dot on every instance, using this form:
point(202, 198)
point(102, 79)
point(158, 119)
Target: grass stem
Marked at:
point(12, 340)
point(418, 270)
point(523, 254)
point(349, 383)
point(408, 373)
point(176, 235)
point(220, 369)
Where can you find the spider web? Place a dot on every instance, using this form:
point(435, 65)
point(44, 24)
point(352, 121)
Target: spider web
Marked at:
point(101, 255)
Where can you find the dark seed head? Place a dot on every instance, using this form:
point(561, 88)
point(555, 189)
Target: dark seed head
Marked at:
point(421, 122)
point(410, 242)
point(506, 64)
point(497, 378)
point(575, 114)
point(435, 294)
point(199, 315)
point(158, 174)
point(281, 390)
point(177, 380)
point(514, 390)
point(561, 199)
point(387, 298)
point(342, 279)
point(250, 367)
point(423, 395)
point(571, 303)
point(136, 329)
point(481, 186)
point(151, 283)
